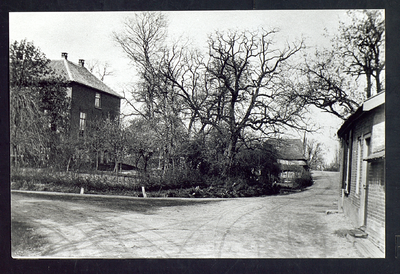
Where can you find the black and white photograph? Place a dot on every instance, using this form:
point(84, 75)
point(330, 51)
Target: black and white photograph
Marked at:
point(252, 134)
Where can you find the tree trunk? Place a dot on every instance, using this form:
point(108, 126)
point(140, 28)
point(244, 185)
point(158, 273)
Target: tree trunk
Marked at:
point(378, 82)
point(69, 162)
point(145, 159)
point(97, 160)
point(377, 73)
point(230, 154)
point(116, 166)
point(369, 85)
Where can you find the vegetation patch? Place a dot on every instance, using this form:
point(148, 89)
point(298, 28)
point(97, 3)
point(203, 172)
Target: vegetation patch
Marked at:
point(71, 182)
point(305, 180)
point(24, 240)
point(194, 185)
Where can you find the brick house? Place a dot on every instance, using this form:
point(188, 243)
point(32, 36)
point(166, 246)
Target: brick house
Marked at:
point(362, 168)
point(91, 99)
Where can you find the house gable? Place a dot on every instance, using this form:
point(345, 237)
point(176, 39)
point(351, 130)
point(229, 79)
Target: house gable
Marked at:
point(91, 99)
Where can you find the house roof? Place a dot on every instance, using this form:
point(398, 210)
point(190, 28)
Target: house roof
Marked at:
point(289, 149)
point(349, 121)
point(79, 74)
point(368, 105)
point(298, 167)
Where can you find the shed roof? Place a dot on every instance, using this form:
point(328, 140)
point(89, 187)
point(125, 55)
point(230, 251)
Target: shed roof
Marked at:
point(79, 74)
point(289, 149)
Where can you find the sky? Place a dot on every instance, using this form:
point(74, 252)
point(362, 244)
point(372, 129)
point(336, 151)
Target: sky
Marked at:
point(89, 36)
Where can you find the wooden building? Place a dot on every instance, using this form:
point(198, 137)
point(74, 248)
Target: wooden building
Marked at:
point(291, 159)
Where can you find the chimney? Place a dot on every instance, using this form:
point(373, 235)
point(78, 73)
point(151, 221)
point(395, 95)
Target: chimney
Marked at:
point(64, 55)
point(82, 62)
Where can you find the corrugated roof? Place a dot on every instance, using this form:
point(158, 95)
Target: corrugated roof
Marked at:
point(76, 73)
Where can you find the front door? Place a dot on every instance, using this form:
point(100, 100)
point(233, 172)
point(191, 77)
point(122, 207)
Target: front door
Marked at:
point(364, 182)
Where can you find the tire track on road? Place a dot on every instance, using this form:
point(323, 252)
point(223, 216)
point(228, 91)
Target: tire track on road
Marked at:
point(228, 230)
point(72, 219)
point(310, 193)
point(198, 228)
point(245, 214)
point(58, 232)
point(110, 229)
point(89, 236)
point(149, 229)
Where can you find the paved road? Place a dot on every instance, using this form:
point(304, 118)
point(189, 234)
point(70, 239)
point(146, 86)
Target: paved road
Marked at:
point(286, 226)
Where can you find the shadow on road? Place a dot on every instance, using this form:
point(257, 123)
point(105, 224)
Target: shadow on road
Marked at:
point(24, 237)
point(117, 203)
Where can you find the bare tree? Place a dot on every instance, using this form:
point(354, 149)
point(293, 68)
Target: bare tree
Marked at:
point(327, 86)
point(97, 135)
point(331, 76)
point(100, 69)
point(362, 45)
point(243, 89)
point(240, 86)
point(314, 153)
point(143, 41)
point(145, 142)
point(115, 141)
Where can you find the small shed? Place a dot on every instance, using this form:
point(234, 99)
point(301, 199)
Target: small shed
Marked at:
point(291, 159)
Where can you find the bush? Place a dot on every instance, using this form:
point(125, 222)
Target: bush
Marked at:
point(304, 180)
point(180, 183)
point(172, 179)
point(332, 167)
point(70, 182)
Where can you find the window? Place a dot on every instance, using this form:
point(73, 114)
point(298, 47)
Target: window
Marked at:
point(82, 123)
point(97, 100)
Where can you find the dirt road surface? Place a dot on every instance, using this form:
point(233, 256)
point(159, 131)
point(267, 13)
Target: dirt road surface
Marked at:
point(88, 226)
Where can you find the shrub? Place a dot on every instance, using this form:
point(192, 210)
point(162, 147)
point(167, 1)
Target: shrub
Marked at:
point(332, 167)
point(45, 179)
point(172, 179)
point(304, 180)
point(180, 183)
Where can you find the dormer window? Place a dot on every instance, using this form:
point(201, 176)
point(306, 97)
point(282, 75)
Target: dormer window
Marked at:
point(97, 100)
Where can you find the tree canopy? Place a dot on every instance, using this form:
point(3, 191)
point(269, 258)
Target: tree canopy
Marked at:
point(38, 104)
point(237, 87)
point(331, 78)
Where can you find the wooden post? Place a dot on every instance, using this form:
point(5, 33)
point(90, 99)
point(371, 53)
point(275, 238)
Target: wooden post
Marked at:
point(144, 192)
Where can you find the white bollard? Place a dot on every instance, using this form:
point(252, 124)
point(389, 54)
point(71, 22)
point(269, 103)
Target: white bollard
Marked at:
point(144, 192)
point(82, 190)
